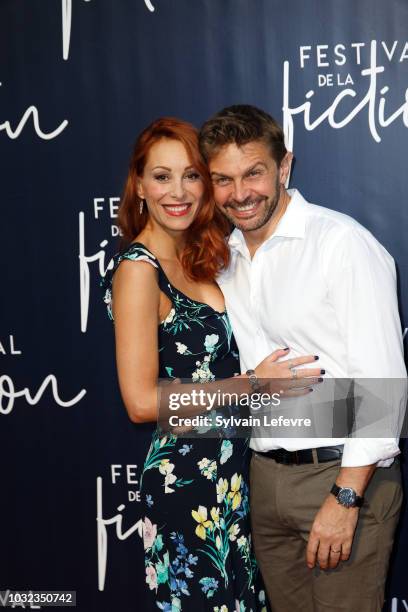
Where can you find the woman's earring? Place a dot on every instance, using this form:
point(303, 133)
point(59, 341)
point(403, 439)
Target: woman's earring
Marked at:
point(141, 207)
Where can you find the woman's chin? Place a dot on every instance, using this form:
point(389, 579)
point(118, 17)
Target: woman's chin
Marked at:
point(179, 223)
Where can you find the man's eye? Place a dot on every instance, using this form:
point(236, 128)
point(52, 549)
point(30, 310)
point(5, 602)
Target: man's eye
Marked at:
point(162, 178)
point(222, 180)
point(254, 173)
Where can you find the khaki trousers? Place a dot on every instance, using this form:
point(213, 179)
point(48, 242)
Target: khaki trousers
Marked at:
point(284, 502)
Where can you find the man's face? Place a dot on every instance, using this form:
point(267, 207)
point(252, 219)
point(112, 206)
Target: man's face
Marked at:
point(247, 184)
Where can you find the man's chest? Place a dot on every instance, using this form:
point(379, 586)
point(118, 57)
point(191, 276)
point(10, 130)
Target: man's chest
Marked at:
point(278, 294)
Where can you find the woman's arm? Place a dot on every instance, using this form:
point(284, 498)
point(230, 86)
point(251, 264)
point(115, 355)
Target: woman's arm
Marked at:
point(135, 308)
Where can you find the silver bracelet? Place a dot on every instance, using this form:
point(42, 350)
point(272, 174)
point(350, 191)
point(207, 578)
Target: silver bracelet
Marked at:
point(253, 380)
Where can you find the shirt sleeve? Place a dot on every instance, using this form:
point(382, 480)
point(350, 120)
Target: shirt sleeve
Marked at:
point(361, 280)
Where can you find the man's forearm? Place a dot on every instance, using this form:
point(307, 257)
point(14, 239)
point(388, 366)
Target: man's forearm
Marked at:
point(355, 477)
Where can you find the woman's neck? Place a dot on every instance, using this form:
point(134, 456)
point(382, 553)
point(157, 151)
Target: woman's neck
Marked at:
point(163, 243)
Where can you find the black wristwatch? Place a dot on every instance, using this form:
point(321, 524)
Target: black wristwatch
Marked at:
point(347, 497)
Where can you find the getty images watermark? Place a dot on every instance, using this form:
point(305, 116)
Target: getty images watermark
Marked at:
point(321, 408)
point(209, 402)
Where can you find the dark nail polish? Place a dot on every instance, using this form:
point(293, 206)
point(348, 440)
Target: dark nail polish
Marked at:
point(310, 389)
point(320, 380)
point(322, 371)
point(316, 357)
point(286, 348)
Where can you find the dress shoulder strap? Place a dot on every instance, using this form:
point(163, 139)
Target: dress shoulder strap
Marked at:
point(140, 252)
point(136, 251)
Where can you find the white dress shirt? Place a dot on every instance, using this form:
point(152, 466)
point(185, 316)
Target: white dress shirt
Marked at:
point(320, 285)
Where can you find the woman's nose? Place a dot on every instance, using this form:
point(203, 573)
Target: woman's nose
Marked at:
point(177, 190)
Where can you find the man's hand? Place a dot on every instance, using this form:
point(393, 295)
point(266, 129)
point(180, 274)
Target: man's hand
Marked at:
point(331, 535)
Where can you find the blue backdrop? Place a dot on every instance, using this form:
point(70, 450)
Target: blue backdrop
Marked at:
point(79, 79)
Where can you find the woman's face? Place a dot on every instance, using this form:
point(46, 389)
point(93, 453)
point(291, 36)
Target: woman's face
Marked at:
point(171, 186)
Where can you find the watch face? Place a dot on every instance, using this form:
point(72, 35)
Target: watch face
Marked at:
point(347, 497)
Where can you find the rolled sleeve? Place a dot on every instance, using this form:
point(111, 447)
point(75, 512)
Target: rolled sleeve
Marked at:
point(362, 288)
point(369, 451)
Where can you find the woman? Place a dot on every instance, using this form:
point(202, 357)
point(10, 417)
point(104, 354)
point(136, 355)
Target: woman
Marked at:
point(170, 322)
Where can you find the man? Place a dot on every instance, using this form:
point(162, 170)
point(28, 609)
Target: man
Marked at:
point(314, 280)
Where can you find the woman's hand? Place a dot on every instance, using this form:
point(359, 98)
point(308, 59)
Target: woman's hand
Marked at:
point(291, 380)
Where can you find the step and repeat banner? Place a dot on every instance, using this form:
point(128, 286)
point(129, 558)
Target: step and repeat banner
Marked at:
point(78, 80)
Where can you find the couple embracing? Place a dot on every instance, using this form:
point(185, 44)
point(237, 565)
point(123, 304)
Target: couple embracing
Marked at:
point(295, 292)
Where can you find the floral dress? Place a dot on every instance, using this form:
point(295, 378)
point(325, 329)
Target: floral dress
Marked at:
point(196, 532)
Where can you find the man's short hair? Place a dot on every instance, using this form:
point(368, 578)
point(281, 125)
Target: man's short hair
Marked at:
point(241, 124)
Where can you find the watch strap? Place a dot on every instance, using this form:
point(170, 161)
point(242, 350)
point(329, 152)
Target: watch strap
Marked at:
point(359, 500)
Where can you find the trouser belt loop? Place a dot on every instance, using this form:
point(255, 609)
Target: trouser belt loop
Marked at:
point(315, 457)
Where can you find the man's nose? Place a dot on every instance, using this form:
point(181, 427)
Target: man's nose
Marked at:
point(240, 192)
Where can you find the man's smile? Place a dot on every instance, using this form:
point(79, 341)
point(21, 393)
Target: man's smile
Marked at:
point(246, 209)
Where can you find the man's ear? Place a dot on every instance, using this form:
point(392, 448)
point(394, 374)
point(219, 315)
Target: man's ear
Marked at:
point(284, 169)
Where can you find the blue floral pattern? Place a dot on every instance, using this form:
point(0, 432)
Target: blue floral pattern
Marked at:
point(196, 534)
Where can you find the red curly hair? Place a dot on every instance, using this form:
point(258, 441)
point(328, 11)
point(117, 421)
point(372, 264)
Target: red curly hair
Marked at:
point(206, 251)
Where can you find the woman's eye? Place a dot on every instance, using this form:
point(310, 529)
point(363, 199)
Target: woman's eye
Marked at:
point(161, 177)
point(193, 176)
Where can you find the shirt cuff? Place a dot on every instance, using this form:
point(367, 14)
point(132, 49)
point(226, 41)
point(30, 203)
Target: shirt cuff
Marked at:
point(369, 451)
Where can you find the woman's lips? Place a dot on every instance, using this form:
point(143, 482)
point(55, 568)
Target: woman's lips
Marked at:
point(177, 210)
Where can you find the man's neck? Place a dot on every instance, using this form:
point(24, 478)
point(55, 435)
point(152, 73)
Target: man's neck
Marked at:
point(256, 238)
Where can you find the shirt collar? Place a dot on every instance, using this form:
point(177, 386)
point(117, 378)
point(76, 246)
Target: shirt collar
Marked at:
point(292, 224)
